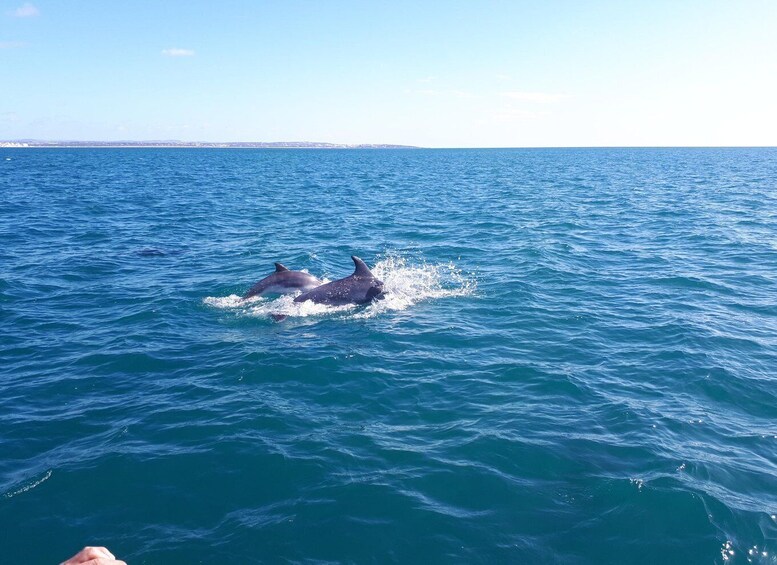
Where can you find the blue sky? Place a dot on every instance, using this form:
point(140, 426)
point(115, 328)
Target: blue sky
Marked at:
point(435, 74)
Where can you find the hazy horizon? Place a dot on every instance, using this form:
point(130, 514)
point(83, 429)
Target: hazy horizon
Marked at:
point(106, 143)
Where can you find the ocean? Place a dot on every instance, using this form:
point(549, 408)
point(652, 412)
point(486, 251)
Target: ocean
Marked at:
point(576, 362)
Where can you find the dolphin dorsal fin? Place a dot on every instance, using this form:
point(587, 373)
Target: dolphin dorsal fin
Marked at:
point(362, 270)
point(279, 268)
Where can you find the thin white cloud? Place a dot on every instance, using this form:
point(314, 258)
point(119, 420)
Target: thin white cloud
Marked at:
point(426, 80)
point(176, 52)
point(26, 10)
point(425, 92)
point(443, 93)
point(9, 117)
point(12, 44)
point(539, 97)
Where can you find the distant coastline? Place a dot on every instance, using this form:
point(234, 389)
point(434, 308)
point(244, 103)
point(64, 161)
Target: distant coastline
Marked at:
point(203, 144)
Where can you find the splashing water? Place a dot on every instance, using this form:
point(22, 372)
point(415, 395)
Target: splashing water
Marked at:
point(404, 284)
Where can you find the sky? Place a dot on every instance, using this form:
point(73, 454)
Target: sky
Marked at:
point(433, 74)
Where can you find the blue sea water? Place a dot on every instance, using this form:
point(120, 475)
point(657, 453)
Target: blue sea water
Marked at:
point(577, 361)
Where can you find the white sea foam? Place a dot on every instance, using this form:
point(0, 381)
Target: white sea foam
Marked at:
point(405, 284)
point(29, 486)
point(231, 301)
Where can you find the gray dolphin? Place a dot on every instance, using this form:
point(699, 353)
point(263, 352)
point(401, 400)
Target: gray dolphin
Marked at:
point(283, 281)
point(359, 288)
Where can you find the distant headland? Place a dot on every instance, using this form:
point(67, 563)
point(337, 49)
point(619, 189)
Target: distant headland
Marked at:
point(203, 144)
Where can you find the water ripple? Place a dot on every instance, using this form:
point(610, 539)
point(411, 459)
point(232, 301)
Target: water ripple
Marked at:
point(575, 364)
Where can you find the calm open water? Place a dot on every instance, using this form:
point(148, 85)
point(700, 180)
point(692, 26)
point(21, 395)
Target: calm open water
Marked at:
point(577, 364)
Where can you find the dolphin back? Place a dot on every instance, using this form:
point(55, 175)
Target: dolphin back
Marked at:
point(283, 281)
point(359, 288)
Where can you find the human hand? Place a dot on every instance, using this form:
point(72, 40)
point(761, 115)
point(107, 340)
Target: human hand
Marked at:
point(93, 556)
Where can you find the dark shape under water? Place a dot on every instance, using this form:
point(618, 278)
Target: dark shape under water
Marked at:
point(156, 252)
point(151, 252)
point(362, 287)
point(283, 281)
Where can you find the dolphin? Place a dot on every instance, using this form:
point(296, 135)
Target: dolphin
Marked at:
point(283, 281)
point(359, 288)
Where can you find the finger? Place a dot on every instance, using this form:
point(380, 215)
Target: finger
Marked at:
point(98, 552)
point(79, 557)
point(89, 553)
point(94, 553)
point(102, 561)
point(103, 552)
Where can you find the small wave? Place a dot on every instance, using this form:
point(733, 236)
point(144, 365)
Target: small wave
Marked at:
point(405, 285)
point(29, 486)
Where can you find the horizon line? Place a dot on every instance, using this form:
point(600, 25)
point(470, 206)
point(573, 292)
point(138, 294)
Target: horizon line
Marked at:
point(173, 143)
point(26, 144)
